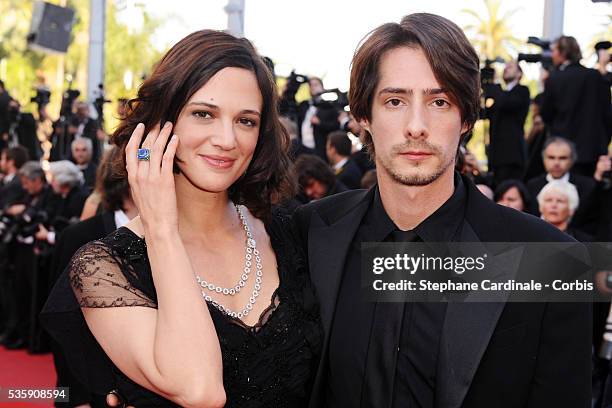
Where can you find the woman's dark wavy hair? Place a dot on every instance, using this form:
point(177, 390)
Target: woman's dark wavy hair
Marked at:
point(112, 188)
point(506, 185)
point(184, 69)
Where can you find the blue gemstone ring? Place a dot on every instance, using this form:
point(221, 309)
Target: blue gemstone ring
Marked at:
point(144, 154)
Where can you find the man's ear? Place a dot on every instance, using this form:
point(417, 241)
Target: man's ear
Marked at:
point(365, 124)
point(464, 128)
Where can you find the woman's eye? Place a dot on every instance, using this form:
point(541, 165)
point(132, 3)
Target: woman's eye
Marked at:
point(202, 114)
point(248, 122)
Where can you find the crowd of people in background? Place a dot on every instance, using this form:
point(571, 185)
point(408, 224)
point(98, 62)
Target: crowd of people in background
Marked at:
point(558, 169)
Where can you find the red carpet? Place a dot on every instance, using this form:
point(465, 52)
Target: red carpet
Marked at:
point(18, 369)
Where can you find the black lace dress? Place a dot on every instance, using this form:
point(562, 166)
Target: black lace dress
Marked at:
point(271, 364)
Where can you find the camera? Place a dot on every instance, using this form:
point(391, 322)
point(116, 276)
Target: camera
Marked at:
point(287, 105)
point(23, 225)
point(331, 98)
point(42, 97)
point(545, 57)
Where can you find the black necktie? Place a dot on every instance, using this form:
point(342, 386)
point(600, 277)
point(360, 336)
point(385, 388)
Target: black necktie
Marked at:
point(381, 360)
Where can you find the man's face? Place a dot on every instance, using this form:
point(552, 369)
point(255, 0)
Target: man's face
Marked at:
point(557, 159)
point(511, 72)
point(316, 87)
point(415, 125)
point(314, 189)
point(3, 163)
point(82, 110)
point(33, 187)
point(555, 55)
point(80, 154)
point(329, 151)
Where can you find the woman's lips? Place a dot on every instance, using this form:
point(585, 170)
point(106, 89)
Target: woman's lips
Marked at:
point(218, 162)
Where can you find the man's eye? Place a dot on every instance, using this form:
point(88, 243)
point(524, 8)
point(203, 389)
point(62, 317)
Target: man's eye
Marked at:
point(394, 102)
point(441, 103)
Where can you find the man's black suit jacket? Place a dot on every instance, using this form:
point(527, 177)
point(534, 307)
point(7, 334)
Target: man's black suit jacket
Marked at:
point(328, 118)
point(11, 193)
point(507, 116)
point(350, 175)
point(502, 355)
point(576, 106)
point(584, 185)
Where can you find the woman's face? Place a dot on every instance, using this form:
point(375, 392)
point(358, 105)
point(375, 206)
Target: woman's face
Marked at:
point(512, 198)
point(555, 207)
point(218, 129)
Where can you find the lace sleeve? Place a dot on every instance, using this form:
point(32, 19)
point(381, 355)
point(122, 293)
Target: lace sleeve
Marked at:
point(98, 278)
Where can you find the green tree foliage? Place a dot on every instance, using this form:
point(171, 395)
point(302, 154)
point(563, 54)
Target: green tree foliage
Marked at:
point(126, 49)
point(491, 33)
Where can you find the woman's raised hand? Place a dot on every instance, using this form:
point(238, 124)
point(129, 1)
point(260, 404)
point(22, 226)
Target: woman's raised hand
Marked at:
point(151, 178)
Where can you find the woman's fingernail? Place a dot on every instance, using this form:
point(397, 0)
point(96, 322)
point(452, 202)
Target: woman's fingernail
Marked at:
point(167, 124)
point(174, 138)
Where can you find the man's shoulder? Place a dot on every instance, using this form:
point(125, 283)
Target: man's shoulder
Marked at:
point(535, 181)
point(91, 227)
point(338, 203)
point(503, 224)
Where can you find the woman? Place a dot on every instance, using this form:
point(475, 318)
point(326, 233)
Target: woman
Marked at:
point(203, 300)
point(558, 201)
point(513, 194)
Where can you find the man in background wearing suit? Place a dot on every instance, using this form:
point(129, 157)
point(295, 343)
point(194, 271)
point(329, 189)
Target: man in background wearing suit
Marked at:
point(415, 88)
point(11, 161)
point(558, 156)
point(576, 105)
point(316, 118)
point(507, 148)
point(338, 150)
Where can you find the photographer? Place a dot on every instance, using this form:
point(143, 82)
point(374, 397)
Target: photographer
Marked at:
point(11, 161)
point(507, 115)
point(316, 118)
point(22, 128)
point(5, 98)
point(67, 182)
point(576, 105)
point(19, 235)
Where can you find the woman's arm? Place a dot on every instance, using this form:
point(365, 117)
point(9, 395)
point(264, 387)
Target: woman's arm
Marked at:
point(172, 350)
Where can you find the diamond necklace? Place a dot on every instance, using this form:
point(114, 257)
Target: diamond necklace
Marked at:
point(250, 251)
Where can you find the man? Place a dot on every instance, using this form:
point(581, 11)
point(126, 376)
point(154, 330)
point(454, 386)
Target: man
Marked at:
point(559, 156)
point(297, 148)
point(576, 105)
point(415, 89)
point(11, 161)
point(507, 148)
point(315, 178)
point(82, 150)
point(39, 205)
point(316, 118)
point(83, 126)
point(338, 151)
point(5, 98)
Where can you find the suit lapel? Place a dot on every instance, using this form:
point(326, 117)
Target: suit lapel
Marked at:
point(329, 240)
point(468, 325)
